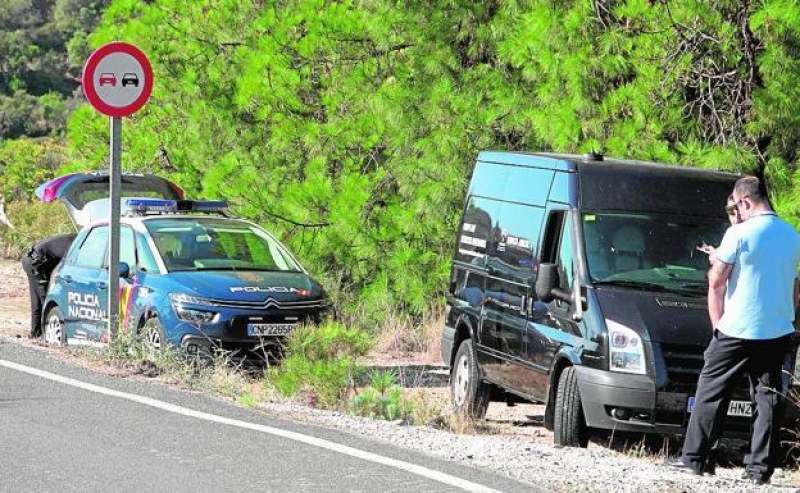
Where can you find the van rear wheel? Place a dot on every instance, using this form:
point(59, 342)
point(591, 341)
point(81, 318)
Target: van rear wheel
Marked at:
point(469, 393)
point(569, 428)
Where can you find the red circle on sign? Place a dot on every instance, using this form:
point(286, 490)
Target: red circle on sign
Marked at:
point(90, 91)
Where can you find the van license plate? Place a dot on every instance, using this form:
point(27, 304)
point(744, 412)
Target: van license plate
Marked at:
point(736, 408)
point(269, 329)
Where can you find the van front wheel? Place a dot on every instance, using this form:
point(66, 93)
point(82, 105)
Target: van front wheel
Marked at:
point(569, 428)
point(470, 394)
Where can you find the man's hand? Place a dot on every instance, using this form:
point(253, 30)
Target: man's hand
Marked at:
point(707, 249)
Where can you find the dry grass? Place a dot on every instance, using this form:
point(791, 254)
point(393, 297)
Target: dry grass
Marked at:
point(401, 335)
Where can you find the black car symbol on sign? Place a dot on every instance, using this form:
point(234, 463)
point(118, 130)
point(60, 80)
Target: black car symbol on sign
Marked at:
point(130, 79)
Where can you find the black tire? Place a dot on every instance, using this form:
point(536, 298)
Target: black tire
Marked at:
point(53, 331)
point(569, 427)
point(468, 392)
point(549, 415)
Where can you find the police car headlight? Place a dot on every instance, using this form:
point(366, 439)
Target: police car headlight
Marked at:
point(183, 298)
point(626, 350)
point(194, 316)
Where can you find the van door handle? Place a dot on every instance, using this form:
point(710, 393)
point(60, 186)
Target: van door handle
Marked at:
point(102, 285)
point(67, 278)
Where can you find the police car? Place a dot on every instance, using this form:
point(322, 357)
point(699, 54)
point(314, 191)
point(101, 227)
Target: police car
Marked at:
point(191, 276)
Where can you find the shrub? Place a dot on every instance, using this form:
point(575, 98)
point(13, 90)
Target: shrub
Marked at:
point(33, 221)
point(383, 399)
point(320, 363)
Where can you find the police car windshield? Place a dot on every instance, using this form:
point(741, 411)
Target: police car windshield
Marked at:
point(654, 252)
point(200, 243)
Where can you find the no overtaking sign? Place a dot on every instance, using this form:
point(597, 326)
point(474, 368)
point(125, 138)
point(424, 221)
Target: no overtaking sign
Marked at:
point(117, 79)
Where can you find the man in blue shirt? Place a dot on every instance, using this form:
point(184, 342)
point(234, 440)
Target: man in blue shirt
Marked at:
point(751, 302)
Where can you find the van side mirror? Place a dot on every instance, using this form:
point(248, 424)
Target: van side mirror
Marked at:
point(547, 284)
point(124, 270)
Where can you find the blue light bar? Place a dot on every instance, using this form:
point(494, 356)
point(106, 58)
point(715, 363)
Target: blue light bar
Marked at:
point(145, 206)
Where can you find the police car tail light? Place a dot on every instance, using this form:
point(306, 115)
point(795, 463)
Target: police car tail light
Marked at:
point(626, 350)
point(152, 206)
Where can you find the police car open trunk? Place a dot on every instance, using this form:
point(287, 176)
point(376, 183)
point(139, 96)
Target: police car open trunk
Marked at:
point(82, 193)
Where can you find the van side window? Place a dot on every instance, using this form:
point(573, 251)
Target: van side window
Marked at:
point(475, 240)
point(557, 247)
point(516, 240)
point(565, 256)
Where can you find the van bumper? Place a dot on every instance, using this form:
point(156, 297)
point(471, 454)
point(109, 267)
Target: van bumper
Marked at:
point(448, 337)
point(634, 395)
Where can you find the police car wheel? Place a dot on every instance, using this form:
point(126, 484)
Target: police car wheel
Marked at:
point(53, 330)
point(153, 335)
point(469, 393)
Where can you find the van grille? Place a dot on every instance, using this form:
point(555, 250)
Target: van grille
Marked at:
point(683, 364)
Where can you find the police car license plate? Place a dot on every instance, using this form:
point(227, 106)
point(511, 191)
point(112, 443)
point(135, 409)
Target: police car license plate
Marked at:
point(736, 408)
point(269, 329)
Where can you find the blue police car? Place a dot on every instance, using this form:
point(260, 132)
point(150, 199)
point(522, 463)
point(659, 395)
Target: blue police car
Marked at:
point(191, 276)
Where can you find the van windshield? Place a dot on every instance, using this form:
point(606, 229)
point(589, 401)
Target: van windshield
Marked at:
point(199, 243)
point(650, 251)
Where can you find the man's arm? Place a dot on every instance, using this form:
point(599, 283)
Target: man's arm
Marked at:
point(717, 285)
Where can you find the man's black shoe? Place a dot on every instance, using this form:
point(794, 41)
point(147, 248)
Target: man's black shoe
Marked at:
point(678, 464)
point(757, 480)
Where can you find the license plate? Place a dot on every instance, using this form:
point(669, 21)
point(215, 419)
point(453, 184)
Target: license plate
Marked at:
point(736, 408)
point(269, 329)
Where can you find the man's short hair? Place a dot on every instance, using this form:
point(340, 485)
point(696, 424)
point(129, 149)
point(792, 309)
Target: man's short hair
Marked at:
point(751, 186)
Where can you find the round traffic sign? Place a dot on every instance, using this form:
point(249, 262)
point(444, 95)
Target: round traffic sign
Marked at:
point(117, 79)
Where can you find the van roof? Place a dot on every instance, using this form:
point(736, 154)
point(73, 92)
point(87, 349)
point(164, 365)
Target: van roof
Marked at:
point(627, 185)
point(576, 162)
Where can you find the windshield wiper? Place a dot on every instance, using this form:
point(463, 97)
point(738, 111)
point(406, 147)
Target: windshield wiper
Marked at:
point(629, 283)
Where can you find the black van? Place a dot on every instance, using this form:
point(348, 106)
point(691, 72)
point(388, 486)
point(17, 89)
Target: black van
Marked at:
point(577, 282)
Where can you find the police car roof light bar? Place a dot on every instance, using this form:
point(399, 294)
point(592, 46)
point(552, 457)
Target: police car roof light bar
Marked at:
point(155, 206)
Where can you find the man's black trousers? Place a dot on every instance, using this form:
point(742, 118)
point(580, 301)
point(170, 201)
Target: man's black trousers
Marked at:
point(726, 359)
point(38, 290)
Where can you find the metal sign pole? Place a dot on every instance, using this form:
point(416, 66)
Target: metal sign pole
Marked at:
point(115, 185)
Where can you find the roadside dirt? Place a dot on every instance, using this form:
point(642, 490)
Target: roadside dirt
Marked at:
point(14, 300)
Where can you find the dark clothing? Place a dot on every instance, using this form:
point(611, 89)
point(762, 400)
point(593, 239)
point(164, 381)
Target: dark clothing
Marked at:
point(726, 359)
point(38, 263)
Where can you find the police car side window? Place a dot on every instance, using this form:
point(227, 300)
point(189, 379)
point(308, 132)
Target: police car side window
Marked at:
point(92, 253)
point(146, 260)
point(127, 249)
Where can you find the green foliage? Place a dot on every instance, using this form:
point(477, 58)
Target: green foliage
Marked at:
point(350, 128)
point(37, 79)
point(27, 163)
point(33, 221)
point(382, 400)
point(320, 363)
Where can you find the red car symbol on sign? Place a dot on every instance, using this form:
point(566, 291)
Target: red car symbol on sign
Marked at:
point(130, 79)
point(107, 78)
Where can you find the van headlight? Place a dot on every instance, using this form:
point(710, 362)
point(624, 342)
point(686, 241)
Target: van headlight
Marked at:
point(626, 350)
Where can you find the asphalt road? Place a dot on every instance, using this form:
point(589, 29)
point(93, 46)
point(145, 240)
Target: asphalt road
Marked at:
point(66, 429)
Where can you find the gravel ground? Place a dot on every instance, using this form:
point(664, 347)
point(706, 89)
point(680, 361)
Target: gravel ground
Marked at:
point(511, 441)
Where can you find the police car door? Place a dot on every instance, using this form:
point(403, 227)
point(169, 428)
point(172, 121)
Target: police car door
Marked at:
point(84, 280)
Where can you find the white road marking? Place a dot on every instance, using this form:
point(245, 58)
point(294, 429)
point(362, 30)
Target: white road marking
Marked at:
point(290, 435)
